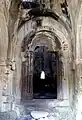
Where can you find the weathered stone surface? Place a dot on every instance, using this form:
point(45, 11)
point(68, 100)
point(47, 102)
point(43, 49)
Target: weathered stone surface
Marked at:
point(8, 116)
point(20, 33)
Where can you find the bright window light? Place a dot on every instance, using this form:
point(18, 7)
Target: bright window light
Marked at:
point(42, 76)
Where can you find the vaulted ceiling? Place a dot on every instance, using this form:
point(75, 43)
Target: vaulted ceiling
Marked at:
point(64, 8)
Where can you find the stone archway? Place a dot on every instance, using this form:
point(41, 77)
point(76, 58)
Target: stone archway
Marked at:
point(27, 67)
point(28, 62)
point(44, 39)
point(54, 34)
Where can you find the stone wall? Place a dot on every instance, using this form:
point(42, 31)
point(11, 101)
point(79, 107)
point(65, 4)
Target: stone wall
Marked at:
point(16, 26)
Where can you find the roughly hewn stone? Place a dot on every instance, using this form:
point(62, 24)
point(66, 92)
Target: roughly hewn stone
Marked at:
point(20, 33)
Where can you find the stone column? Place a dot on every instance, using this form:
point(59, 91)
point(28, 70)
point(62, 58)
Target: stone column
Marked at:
point(78, 86)
point(30, 75)
point(3, 51)
point(78, 90)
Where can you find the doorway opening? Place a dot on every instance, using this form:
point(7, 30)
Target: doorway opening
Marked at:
point(45, 61)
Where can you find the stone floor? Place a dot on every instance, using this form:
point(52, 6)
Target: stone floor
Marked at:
point(60, 114)
point(23, 112)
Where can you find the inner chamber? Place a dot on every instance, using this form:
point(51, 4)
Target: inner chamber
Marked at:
point(46, 61)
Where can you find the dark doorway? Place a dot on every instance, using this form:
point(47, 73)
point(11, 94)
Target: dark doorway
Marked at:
point(47, 61)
